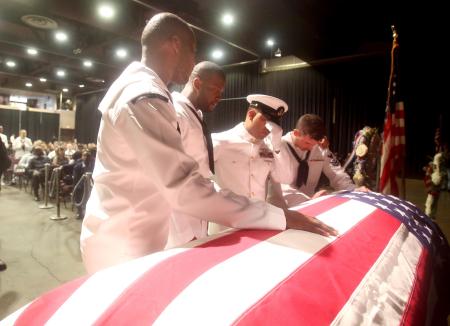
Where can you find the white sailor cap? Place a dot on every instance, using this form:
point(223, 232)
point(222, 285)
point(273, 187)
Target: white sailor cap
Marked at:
point(273, 108)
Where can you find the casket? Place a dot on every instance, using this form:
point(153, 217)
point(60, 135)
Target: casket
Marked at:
point(387, 266)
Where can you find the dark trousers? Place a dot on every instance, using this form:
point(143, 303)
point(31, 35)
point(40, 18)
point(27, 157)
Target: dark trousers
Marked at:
point(37, 179)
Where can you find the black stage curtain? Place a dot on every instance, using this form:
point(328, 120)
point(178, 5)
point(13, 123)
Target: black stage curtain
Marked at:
point(39, 125)
point(347, 96)
point(87, 118)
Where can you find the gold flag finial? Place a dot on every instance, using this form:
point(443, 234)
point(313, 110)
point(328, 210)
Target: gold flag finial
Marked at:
point(394, 32)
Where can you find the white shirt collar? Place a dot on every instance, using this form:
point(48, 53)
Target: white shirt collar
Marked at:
point(244, 134)
point(178, 97)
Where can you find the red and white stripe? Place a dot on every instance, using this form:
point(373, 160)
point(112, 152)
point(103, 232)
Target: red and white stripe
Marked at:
point(392, 150)
point(374, 271)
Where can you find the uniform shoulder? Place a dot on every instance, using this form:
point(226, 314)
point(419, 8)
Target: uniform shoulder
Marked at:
point(150, 96)
point(330, 157)
point(224, 137)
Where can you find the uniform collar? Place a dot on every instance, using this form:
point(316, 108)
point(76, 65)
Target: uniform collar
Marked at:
point(136, 80)
point(178, 97)
point(245, 135)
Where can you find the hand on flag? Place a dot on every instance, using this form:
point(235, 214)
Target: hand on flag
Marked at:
point(299, 221)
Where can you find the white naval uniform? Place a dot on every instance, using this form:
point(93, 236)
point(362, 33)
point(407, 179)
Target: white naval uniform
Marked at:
point(183, 227)
point(17, 147)
point(142, 174)
point(320, 160)
point(243, 164)
point(4, 139)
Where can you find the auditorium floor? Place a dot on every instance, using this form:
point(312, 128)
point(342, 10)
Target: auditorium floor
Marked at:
point(42, 254)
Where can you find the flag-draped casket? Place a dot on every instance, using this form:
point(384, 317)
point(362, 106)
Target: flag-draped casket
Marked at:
point(387, 266)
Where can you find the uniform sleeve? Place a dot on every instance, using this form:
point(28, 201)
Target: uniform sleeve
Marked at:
point(275, 194)
point(284, 169)
point(151, 124)
point(339, 179)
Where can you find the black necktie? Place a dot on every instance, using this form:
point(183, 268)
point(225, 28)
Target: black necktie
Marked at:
point(207, 136)
point(303, 167)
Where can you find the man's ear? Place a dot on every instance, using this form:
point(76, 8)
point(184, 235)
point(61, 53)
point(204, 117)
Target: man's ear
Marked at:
point(196, 83)
point(251, 113)
point(175, 43)
point(296, 133)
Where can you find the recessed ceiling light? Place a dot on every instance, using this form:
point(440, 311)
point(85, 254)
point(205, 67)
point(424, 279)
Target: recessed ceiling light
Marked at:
point(61, 36)
point(217, 54)
point(28, 84)
point(106, 10)
point(121, 53)
point(270, 42)
point(87, 63)
point(228, 19)
point(10, 63)
point(43, 80)
point(65, 90)
point(81, 86)
point(60, 73)
point(32, 51)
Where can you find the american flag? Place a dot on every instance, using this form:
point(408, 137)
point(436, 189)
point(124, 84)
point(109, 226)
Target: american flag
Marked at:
point(393, 148)
point(385, 267)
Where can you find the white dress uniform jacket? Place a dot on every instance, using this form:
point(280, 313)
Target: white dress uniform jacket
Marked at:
point(142, 175)
point(17, 147)
point(320, 160)
point(4, 139)
point(243, 163)
point(183, 227)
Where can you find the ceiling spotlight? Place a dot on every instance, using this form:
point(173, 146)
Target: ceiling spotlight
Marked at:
point(121, 53)
point(61, 36)
point(217, 54)
point(60, 73)
point(277, 53)
point(32, 51)
point(65, 90)
point(106, 11)
point(81, 86)
point(228, 19)
point(87, 63)
point(10, 63)
point(270, 42)
point(42, 79)
point(28, 84)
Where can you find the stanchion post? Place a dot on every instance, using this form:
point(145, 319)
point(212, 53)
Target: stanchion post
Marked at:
point(46, 204)
point(58, 204)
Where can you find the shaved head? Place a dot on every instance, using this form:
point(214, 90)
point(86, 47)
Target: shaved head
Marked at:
point(168, 47)
point(205, 69)
point(162, 27)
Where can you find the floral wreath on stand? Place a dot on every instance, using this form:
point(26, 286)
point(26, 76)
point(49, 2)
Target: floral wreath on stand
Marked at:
point(366, 149)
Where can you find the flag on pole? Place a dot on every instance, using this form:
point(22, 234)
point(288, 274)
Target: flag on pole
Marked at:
point(393, 148)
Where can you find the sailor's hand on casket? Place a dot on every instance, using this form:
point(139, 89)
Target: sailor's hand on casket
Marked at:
point(299, 221)
point(322, 192)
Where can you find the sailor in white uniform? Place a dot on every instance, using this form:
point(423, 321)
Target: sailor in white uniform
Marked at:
point(311, 161)
point(248, 154)
point(199, 96)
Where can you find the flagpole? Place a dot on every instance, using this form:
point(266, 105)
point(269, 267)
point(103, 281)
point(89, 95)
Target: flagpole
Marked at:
point(392, 163)
point(403, 154)
point(402, 170)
